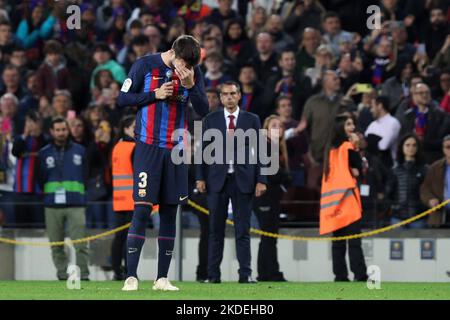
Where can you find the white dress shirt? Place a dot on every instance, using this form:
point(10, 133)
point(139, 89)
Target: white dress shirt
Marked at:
point(227, 122)
point(388, 128)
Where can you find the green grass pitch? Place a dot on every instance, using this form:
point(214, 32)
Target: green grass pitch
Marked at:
point(110, 290)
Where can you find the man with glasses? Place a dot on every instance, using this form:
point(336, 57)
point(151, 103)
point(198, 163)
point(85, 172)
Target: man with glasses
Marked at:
point(428, 122)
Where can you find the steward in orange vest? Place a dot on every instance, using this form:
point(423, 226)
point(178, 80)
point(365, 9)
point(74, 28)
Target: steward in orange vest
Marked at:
point(122, 171)
point(340, 202)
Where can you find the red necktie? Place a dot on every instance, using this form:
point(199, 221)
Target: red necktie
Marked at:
point(231, 125)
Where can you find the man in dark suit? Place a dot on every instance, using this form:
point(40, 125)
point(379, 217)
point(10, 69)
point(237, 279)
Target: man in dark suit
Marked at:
point(231, 179)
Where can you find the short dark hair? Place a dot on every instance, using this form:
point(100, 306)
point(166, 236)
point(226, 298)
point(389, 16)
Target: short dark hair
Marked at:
point(136, 23)
point(231, 83)
point(33, 115)
point(281, 98)
point(140, 40)
point(187, 48)
point(384, 101)
point(103, 47)
point(53, 47)
point(284, 51)
point(58, 119)
point(329, 14)
point(212, 90)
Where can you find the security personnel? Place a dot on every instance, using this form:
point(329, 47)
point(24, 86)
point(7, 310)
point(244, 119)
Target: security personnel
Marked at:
point(340, 203)
point(123, 203)
point(62, 174)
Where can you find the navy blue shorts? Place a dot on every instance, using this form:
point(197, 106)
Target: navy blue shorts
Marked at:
point(156, 178)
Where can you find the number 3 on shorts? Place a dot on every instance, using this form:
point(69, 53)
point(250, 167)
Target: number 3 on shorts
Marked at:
point(143, 177)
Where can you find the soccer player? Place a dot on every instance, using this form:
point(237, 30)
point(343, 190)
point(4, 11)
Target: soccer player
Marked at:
point(160, 85)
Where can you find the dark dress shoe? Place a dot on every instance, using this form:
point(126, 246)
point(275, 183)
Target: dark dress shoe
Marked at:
point(212, 280)
point(247, 280)
point(201, 280)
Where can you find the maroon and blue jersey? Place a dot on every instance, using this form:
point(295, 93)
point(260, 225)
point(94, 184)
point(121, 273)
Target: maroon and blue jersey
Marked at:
point(157, 120)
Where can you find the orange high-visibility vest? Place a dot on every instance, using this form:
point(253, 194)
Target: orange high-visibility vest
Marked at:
point(122, 171)
point(340, 202)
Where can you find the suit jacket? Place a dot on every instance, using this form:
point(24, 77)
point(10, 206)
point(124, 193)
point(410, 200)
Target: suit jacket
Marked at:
point(247, 175)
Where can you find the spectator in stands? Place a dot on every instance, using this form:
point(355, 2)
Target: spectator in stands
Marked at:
point(107, 13)
point(7, 40)
point(396, 87)
point(281, 40)
point(286, 82)
point(427, 121)
point(436, 187)
point(214, 75)
point(265, 61)
point(442, 59)
point(139, 47)
point(437, 32)
point(252, 91)
point(115, 37)
point(103, 58)
point(408, 101)
point(102, 83)
point(347, 72)
point(99, 212)
point(405, 50)
point(52, 74)
point(385, 127)
point(28, 210)
point(297, 143)
point(155, 38)
point(12, 82)
point(444, 86)
point(192, 11)
point(303, 15)
point(319, 113)
point(61, 104)
point(223, 14)
point(333, 33)
point(268, 207)
point(236, 44)
point(309, 43)
point(176, 28)
point(30, 100)
point(19, 59)
point(403, 185)
point(213, 99)
point(323, 60)
point(62, 174)
point(257, 22)
point(381, 61)
point(35, 27)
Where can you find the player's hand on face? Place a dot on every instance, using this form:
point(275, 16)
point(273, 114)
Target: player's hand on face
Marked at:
point(164, 91)
point(186, 76)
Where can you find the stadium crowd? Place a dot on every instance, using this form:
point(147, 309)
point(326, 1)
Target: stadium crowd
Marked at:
point(304, 61)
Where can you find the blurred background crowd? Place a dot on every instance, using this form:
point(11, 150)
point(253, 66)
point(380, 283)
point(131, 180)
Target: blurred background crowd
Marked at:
point(304, 61)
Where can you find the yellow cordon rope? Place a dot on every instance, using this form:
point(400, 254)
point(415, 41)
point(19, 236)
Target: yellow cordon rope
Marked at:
point(252, 230)
point(353, 236)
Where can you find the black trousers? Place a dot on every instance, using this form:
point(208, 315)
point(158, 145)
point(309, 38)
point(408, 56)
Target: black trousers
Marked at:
point(339, 248)
point(119, 244)
point(203, 219)
point(267, 209)
point(242, 209)
point(29, 210)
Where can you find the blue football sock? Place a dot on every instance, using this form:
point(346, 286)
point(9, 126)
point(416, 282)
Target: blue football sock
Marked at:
point(166, 238)
point(136, 238)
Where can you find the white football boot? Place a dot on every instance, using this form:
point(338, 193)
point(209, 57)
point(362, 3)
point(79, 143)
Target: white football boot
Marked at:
point(131, 284)
point(164, 284)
